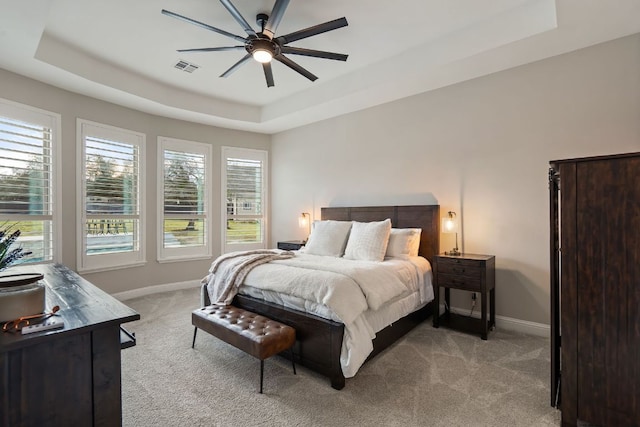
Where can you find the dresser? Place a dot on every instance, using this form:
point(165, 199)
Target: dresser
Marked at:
point(595, 290)
point(69, 376)
point(468, 272)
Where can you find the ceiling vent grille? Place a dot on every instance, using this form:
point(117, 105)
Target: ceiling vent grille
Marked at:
point(186, 66)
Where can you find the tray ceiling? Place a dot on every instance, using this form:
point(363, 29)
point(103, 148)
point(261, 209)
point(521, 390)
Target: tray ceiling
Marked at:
point(124, 51)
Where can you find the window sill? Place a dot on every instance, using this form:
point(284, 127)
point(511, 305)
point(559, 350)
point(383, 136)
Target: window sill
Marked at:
point(170, 260)
point(110, 268)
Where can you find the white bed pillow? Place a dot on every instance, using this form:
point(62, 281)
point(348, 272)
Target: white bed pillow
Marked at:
point(328, 238)
point(403, 242)
point(368, 240)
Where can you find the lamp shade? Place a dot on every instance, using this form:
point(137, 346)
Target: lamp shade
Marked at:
point(450, 223)
point(303, 220)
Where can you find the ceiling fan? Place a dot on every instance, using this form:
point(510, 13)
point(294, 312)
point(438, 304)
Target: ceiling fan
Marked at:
point(263, 46)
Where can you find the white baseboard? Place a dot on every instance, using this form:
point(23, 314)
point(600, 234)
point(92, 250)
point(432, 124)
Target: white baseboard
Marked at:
point(156, 289)
point(502, 322)
point(510, 323)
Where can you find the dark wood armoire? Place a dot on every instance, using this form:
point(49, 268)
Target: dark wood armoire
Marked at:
point(595, 290)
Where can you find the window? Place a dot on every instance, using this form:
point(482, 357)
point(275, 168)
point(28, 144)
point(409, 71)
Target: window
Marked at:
point(29, 144)
point(244, 182)
point(111, 202)
point(184, 184)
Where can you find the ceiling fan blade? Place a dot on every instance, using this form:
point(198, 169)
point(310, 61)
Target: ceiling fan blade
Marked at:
point(274, 19)
point(203, 25)
point(268, 74)
point(238, 17)
point(212, 49)
point(235, 66)
point(314, 53)
point(295, 67)
point(312, 31)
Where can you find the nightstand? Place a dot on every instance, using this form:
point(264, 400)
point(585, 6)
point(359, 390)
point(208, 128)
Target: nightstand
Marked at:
point(291, 245)
point(468, 272)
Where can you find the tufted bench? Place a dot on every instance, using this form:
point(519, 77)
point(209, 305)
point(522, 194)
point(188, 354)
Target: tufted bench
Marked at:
point(256, 335)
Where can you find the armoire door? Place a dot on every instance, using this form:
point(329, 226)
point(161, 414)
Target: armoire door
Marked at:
point(600, 222)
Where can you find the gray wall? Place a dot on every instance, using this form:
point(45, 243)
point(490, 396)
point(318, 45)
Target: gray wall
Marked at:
point(480, 148)
point(71, 106)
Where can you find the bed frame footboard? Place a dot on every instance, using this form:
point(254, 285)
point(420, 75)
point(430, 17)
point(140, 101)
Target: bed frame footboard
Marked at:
point(318, 341)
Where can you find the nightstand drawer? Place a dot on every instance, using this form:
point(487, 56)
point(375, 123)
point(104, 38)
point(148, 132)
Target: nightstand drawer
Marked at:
point(458, 281)
point(466, 267)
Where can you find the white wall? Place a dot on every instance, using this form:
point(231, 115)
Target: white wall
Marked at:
point(481, 148)
point(71, 106)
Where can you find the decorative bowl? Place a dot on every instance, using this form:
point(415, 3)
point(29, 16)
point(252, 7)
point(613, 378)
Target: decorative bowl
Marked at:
point(21, 295)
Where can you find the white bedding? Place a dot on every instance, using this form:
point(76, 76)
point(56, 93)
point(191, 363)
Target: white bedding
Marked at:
point(366, 296)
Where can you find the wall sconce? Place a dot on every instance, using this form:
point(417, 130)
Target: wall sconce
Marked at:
point(450, 225)
point(304, 221)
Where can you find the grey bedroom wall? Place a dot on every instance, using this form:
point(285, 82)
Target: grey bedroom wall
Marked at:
point(71, 106)
point(480, 148)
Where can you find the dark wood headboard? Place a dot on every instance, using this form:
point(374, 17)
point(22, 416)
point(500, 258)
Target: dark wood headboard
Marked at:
point(426, 217)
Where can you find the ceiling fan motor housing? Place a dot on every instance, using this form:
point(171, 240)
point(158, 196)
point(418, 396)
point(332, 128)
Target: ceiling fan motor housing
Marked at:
point(262, 42)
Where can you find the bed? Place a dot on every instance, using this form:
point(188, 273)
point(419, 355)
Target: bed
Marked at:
point(320, 340)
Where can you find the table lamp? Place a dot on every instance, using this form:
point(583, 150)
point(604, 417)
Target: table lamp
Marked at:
point(304, 221)
point(450, 225)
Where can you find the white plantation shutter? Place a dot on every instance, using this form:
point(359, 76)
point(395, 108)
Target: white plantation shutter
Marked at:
point(27, 177)
point(244, 196)
point(184, 181)
point(111, 171)
point(185, 200)
point(111, 195)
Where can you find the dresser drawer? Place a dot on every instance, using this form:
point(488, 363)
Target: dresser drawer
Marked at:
point(457, 281)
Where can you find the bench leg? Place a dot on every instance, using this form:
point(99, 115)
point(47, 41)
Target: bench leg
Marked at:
point(195, 331)
point(293, 362)
point(261, 374)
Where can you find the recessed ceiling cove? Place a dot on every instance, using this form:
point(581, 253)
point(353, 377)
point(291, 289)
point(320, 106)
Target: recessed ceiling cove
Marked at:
point(126, 52)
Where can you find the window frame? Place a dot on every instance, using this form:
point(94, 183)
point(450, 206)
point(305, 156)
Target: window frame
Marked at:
point(26, 113)
point(249, 154)
point(189, 252)
point(108, 261)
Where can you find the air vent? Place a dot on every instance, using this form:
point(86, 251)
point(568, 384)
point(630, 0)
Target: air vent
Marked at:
point(186, 66)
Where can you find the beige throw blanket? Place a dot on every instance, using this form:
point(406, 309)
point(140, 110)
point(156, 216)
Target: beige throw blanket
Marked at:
point(228, 271)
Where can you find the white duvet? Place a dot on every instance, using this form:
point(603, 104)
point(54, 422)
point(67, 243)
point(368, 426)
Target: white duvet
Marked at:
point(343, 290)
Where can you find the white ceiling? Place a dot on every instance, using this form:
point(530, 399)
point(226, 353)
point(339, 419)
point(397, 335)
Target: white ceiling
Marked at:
point(124, 51)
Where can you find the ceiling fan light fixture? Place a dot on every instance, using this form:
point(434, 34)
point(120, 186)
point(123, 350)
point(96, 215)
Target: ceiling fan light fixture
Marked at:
point(262, 55)
point(262, 50)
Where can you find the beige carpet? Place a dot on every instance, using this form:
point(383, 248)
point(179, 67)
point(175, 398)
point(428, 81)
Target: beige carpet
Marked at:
point(434, 377)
